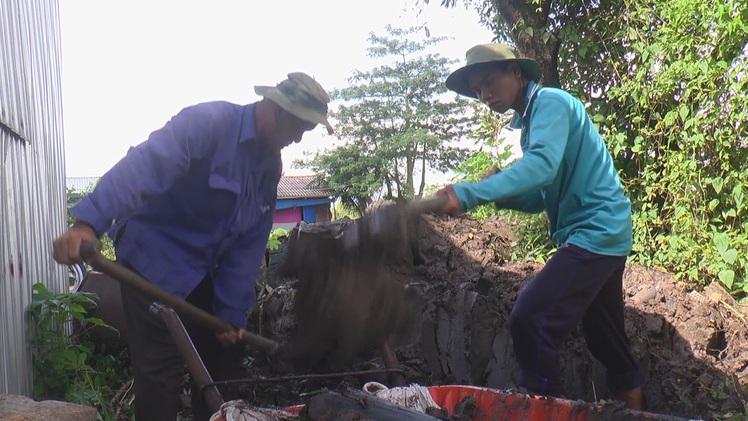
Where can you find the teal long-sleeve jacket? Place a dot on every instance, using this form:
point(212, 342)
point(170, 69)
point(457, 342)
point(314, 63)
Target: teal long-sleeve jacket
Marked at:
point(566, 171)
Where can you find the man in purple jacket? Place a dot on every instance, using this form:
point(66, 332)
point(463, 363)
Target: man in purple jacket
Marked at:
point(191, 209)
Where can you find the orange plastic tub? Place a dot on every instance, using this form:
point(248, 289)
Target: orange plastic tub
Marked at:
point(498, 405)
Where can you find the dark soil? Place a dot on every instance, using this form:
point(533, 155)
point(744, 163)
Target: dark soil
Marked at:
point(346, 301)
point(692, 345)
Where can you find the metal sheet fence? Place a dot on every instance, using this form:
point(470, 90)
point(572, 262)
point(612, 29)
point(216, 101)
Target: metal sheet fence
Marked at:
point(32, 180)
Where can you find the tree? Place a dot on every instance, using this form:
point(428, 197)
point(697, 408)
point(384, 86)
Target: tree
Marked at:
point(396, 121)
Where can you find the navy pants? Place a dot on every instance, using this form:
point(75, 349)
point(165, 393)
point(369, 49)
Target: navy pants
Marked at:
point(158, 367)
point(575, 285)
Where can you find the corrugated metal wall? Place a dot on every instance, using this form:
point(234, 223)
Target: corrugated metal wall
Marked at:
point(32, 176)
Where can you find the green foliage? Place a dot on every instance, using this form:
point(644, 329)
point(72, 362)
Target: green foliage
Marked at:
point(342, 211)
point(351, 173)
point(66, 366)
point(397, 121)
point(677, 125)
point(274, 242)
point(533, 237)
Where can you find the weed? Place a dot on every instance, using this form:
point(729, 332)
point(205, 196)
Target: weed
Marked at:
point(66, 363)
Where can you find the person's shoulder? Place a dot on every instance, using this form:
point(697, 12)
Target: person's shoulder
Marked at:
point(559, 96)
point(218, 111)
point(214, 107)
point(547, 92)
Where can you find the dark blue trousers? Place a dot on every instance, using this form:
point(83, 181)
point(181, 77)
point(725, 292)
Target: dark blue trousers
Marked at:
point(575, 285)
point(158, 367)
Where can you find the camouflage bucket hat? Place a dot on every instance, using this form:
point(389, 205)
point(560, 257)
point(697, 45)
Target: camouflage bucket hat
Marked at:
point(301, 96)
point(489, 53)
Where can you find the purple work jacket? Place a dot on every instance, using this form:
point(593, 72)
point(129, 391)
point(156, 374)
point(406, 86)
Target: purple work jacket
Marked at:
point(196, 198)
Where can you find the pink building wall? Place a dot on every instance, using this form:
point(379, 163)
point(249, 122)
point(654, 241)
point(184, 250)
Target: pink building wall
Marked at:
point(287, 215)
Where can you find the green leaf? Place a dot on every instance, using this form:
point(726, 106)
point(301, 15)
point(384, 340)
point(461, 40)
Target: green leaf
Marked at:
point(684, 112)
point(727, 277)
point(717, 184)
point(704, 67)
point(77, 308)
point(738, 196)
point(679, 212)
point(633, 35)
point(529, 31)
point(720, 241)
point(730, 256)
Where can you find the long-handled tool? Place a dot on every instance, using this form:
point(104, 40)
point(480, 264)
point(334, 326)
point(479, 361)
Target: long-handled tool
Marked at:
point(92, 255)
point(200, 375)
point(390, 222)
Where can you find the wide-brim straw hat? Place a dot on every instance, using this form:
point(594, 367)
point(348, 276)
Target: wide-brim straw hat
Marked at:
point(489, 53)
point(301, 96)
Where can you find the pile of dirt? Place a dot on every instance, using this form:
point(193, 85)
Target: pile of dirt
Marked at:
point(693, 346)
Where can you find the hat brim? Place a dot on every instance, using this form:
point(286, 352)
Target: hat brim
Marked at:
point(274, 94)
point(458, 80)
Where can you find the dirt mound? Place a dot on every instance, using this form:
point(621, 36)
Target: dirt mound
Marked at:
point(693, 346)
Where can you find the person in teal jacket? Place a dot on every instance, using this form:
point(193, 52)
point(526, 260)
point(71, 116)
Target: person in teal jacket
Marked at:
point(567, 172)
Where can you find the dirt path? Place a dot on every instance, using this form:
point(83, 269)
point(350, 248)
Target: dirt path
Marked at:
point(692, 345)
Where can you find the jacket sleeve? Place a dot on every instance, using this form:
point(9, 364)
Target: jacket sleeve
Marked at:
point(148, 169)
point(530, 203)
point(549, 131)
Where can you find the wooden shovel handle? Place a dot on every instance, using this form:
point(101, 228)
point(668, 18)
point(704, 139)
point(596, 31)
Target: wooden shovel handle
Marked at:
point(91, 253)
point(433, 204)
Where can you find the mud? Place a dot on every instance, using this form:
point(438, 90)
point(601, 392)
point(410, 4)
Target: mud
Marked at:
point(346, 301)
point(692, 345)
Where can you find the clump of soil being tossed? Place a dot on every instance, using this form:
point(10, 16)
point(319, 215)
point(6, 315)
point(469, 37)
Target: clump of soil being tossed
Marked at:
point(346, 301)
point(693, 346)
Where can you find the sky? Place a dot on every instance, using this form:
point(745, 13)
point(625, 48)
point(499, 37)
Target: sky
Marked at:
point(127, 67)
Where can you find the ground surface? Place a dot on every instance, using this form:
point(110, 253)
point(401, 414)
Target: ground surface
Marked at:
point(693, 346)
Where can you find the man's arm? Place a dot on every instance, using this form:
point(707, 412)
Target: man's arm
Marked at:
point(529, 203)
point(148, 169)
point(538, 166)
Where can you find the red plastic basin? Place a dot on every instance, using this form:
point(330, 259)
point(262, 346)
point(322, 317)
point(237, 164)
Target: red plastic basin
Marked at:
point(498, 405)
